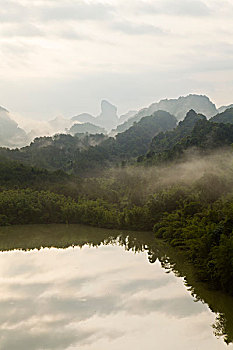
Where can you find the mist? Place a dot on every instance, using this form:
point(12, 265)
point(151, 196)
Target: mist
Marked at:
point(136, 184)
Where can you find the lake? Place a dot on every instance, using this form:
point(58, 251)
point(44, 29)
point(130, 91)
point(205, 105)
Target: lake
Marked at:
point(77, 287)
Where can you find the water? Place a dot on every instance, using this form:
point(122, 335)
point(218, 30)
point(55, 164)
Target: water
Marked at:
point(95, 289)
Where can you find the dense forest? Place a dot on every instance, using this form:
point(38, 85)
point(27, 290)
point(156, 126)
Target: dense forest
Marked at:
point(82, 153)
point(187, 203)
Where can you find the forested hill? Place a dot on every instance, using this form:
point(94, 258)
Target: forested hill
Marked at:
point(166, 141)
point(81, 153)
point(17, 175)
point(53, 153)
point(224, 117)
point(136, 140)
point(194, 132)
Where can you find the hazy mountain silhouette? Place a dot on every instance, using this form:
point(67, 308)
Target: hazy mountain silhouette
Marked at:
point(84, 118)
point(224, 108)
point(107, 118)
point(86, 128)
point(10, 134)
point(177, 107)
point(124, 117)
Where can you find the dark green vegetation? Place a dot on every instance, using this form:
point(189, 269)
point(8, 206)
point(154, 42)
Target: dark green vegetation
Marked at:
point(224, 117)
point(14, 174)
point(84, 153)
point(167, 141)
point(196, 217)
point(59, 152)
point(189, 205)
point(194, 133)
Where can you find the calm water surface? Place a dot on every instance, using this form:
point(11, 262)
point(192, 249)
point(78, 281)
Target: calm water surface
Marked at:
point(92, 289)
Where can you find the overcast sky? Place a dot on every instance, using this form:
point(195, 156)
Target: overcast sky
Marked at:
point(61, 57)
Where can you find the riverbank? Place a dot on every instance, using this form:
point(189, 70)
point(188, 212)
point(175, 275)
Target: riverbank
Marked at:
point(190, 221)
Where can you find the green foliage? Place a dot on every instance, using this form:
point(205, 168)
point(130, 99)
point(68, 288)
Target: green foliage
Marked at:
point(30, 207)
point(84, 153)
point(206, 235)
point(136, 140)
point(224, 117)
point(196, 217)
point(166, 141)
point(195, 132)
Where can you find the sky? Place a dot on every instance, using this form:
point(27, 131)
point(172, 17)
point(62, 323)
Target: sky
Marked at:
point(61, 57)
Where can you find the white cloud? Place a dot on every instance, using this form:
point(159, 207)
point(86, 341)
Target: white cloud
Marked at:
point(136, 29)
point(177, 8)
point(88, 42)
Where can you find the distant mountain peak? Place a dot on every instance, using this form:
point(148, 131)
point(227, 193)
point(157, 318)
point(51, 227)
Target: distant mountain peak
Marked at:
point(176, 106)
point(106, 106)
point(191, 114)
point(108, 117)
point(191, 118)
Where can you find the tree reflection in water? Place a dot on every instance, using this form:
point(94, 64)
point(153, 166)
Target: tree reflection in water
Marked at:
point(61, 236)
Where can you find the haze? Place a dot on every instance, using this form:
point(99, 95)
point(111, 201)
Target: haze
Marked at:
point(62, 57)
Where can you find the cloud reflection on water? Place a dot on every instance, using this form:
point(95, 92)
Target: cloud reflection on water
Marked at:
point(64, 299)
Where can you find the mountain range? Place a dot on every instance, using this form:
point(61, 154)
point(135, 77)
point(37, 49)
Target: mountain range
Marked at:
point(155, 138)
point(107, 121)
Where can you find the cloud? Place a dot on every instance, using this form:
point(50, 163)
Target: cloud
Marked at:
point(130, 28)
point(135, 286)
point(12, 12)
point(17, 52)
point(168, 43)
point(193, 8)
point(71, 34)
point(179, 307)
point(21, 30)
point(42, 340)
point(70, 10)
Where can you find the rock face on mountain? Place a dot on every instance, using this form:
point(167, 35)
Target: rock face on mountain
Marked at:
point(108, 118)
point(177, 107)
point(224, 108)
point(224, 117)
point(10, 134)
point(86, 128)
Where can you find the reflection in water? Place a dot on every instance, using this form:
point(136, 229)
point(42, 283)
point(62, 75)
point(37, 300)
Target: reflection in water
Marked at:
point(55, 299)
